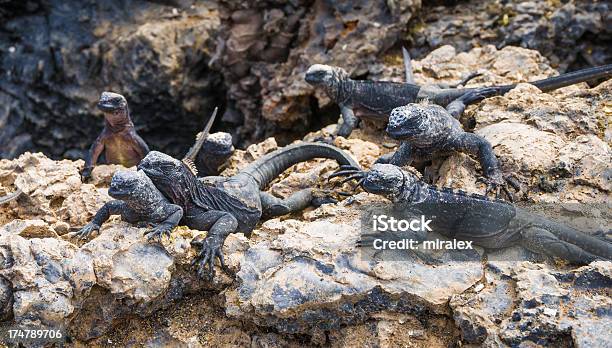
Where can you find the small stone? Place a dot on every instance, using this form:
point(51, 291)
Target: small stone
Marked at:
point(61, 227)
point(29, 229)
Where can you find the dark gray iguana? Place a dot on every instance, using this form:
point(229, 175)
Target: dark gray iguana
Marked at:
point(224, 205)
point(375, 99)
point(492, 224)
point(138, 201)
point(427, 131)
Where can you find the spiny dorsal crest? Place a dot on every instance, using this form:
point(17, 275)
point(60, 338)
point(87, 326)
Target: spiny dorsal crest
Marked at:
point(414, 172)
point(191, 166)
point(191, 155)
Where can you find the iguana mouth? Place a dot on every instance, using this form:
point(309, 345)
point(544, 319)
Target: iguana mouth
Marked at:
point(110, 102)
point(117, 193)
point(108, 106)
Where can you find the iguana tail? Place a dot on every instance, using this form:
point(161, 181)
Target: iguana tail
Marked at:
point(571, 78)
point(270, 166)
point(588, 243)
point(10, 197)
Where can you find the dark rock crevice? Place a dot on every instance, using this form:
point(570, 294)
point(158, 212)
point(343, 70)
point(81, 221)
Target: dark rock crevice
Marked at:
point(57, 59)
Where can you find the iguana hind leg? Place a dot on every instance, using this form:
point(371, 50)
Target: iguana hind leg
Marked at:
point(462, 82)
point(273, 206)
point(544, 242)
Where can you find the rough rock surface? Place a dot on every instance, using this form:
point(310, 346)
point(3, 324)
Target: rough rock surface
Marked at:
point(529, 302)
point(176, 60)
point(268, 45)
point(92, 287)
point(299, 280)
point(571, 34)
point(56, 58)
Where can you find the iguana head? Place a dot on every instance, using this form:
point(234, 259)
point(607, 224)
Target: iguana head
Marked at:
point(219, 143)
point(171, 176)
point(384, 179)
point(407, 121)
point(127, 183)
point(325, 76)
point(161, 168)
point(216, 150)
point(115, 109)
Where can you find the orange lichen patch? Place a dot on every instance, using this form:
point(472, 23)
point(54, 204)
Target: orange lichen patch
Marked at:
point(349, 27)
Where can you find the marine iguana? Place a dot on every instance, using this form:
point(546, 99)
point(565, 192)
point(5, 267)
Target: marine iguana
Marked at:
point(137, 200)
point(492, 224)
point(216, 150)
point(375, 99)
point(118, 141)
point(224, 205)
point(428, 131)
point(121, 145)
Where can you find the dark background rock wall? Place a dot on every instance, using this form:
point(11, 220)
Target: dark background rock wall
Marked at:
point(57, 56)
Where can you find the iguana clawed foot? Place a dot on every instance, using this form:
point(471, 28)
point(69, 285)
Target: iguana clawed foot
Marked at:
point(85, 232)
point(157, 233)
point(499, 183)
point(86, 174)
point(349, 173)
point(320, 197)
point(205, 261)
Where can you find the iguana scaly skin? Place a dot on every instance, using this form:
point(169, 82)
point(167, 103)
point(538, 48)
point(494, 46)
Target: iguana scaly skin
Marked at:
point(375, 99)
point(118, 141)
point(428, 131)
point(120, 144)
point(492, 224)
point(216, 150)
point(224, 205)
point(137, 200)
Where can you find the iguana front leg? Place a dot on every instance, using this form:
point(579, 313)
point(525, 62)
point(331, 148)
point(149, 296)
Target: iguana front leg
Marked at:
point(221, 225)
point(92, 157)
point(114, 207)
point(273, 206)
point(165, 227)
point(349, 122)
point(401, 157)
point(480, 147)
